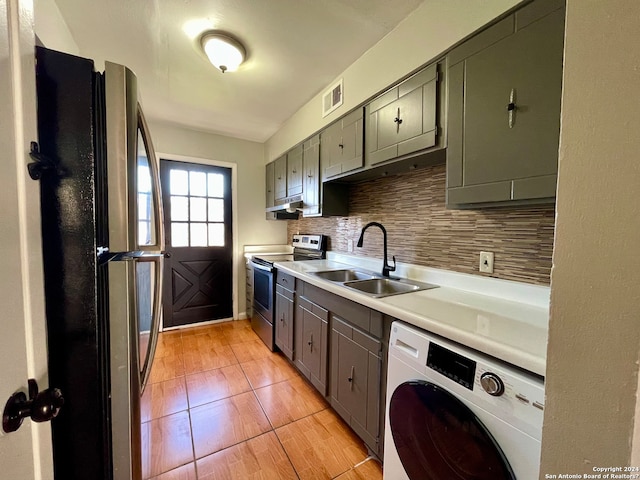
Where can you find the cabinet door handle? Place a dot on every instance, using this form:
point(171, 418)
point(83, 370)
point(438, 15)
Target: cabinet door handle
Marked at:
point(350, 379)
point(512, 107)
point(398, 121)
point(310, 342)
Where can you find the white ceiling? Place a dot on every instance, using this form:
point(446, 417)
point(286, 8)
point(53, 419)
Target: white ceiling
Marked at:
point(296, 49)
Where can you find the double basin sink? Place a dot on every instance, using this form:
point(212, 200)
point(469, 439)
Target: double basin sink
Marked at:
point(372, 284)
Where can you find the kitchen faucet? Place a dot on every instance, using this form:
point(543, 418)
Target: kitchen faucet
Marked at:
point(386, 268)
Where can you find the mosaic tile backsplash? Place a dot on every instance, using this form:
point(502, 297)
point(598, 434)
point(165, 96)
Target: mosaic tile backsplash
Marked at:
point(422, 231)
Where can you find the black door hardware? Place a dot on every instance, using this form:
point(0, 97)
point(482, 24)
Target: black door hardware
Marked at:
point(41, 406)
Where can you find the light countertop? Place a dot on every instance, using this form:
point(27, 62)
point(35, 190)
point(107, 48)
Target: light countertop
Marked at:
point(507, 320)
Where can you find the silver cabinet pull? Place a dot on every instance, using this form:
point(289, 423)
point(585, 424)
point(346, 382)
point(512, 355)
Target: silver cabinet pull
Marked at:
point(512, 107)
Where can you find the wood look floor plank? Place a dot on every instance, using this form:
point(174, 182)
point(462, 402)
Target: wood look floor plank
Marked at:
point(240, 334)
point(169, 343)
point(290, 400)
point(204, 340)
point(321, 446)
point(369, 470)
point(185, 472)
point(208, 358)
point(170, 444)
point(260, 458)
point(268, 370)
point(226, 422)
point(163, 398)
point(253, 350)
point(167, 368)
point(212, 385)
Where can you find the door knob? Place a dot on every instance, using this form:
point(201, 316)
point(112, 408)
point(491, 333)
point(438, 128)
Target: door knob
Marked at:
point(41, 406)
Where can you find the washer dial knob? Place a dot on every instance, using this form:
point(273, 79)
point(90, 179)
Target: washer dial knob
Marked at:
point(492, 384)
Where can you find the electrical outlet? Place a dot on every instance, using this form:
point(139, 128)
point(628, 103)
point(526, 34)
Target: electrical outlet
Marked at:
point(486, 262)
point(350, 245)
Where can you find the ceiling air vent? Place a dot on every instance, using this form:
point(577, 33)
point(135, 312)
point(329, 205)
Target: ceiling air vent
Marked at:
point(332, 98)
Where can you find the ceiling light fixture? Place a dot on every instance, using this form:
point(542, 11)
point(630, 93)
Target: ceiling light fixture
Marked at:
point(224, 52)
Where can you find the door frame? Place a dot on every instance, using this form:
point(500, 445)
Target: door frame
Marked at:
point(235, 256)
point(26, 453)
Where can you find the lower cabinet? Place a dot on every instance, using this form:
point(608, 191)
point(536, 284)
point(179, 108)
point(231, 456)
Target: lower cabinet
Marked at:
point(311, 342)
point(284, 320)
point(356, 372)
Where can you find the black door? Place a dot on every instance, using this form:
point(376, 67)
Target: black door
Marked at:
point(197, 218)
point(438, 437)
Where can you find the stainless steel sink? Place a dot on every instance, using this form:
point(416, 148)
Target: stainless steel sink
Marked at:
point(342, 276)
point(384, 287)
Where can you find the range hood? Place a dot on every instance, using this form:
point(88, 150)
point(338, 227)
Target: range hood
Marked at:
point(289, 205)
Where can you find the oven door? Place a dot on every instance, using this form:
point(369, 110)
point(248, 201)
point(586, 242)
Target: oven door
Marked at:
point(263, 302)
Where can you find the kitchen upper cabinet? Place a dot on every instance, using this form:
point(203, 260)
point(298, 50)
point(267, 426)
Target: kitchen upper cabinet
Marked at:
point(320, 199)
point(341, 145)
point(404, 119)
point(311, 342)
point(505, 88)
point(356, 370)
point(284, 321)
point(311, 169)
point(280, 175)
point(294, 171)
point(270, 187)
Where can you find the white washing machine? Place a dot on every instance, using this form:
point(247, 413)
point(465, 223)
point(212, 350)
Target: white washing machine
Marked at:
point(454, 413)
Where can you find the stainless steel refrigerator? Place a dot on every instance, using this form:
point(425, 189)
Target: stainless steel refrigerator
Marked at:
point(102, 248)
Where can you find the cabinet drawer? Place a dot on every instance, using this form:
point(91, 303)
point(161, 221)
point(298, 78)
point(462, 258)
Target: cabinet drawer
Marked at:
point(286, 280)
point(286, 293)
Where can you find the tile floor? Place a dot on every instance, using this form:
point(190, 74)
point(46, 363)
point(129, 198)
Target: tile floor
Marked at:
point(220, 405)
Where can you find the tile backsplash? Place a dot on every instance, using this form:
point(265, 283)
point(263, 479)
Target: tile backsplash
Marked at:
point(422, 231)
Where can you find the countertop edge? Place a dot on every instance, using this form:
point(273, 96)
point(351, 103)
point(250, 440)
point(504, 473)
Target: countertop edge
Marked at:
point(488, 346)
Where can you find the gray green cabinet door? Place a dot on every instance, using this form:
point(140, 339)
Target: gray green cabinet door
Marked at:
point(270, 185)
point(355, 380)
point(280, 174)
point(404, 119)
point(294, 171)
point(504, 116)
point(341, 145)
point(284, 321)
point(311, 176)
point(270, 188)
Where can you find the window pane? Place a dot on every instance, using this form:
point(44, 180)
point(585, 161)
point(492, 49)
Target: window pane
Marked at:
point(179, 234)
point(179, 208)
point(179, 182)
point(198, 234)
point(216, 210)
point(144, 179)
point(144, 206)
point(198, 210)
point(216, 234)
point(216, 185)
point(143, 233)
point(198, 184)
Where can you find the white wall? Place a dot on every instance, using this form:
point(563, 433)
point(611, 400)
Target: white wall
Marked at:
point(51, 28)
point(252, 227)
point(594, 330)
point(430, 30)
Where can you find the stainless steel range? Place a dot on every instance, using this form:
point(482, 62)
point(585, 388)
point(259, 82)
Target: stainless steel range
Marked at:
point(305, 247)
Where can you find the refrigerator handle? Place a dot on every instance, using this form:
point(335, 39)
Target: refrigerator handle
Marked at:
point(155, 180)
point(159, 255)
point(154, 329)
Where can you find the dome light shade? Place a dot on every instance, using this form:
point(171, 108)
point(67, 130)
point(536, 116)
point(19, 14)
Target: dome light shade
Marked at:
point(224, 51)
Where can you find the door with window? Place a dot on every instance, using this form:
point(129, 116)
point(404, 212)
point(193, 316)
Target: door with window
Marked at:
point(198, 269)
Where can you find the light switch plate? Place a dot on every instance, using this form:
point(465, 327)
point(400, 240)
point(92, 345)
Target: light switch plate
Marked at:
point(486, 262)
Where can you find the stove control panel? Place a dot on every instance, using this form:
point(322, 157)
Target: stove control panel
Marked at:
point(310, 242)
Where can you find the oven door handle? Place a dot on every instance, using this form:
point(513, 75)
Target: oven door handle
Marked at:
point(262, 267)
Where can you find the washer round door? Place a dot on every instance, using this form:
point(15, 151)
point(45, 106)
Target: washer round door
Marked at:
point(437, 437)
